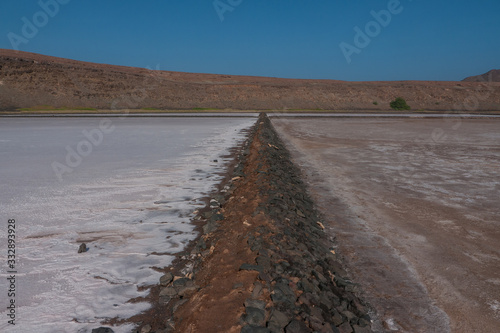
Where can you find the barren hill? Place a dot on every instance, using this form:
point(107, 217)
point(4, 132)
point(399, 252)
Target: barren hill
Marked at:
point(30, 80)
point(491, 76)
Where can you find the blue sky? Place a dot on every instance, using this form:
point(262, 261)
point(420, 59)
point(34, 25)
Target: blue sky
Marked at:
point(411, 40)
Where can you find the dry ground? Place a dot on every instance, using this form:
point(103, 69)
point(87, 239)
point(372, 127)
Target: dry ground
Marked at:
point(414, 206)
point(33, 80)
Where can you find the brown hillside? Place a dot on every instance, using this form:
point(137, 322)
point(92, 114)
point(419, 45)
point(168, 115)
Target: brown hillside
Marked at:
point(491, 76)
point(29, 80)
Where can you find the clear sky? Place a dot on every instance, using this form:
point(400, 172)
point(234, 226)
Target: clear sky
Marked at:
point(351, 40)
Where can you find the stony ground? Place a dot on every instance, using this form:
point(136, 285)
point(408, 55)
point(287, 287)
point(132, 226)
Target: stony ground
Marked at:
point(264, 262)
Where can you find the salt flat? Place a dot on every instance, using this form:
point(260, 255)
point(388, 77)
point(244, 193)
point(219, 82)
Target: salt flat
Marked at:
point(131, 194)
point(413, 204)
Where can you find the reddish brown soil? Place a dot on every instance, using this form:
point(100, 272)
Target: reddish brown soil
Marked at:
point(30, 80)
point(219, 305)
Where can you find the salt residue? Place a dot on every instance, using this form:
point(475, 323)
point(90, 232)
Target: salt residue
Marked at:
point(133, 217)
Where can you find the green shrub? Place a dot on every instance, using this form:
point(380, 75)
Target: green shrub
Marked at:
point(399, 104)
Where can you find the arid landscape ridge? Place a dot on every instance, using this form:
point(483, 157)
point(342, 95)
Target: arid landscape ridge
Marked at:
point(30, 81)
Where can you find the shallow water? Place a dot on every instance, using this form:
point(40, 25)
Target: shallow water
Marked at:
point(128, 192)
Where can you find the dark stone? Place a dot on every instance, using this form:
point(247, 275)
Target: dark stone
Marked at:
point(187, 291)
point(336, 318)
point(317, 313)
point(209, 227)
point(297, 326)
point(165, 299)
point(351, 317)
point(102, 330)
point(181, 282)
point(283, 293)
point(278, 321)
point(238, 285)
point(359, 329)
point(248, 267)
point(255, 303)
point(207, 215)
point(202, 245)
point(256, 289)
point(279, 269)
point(263, 276)
point(254, 329)
point(214, 204)
point(169, 291)
point(363, 322)
point(316, 324)
point(166, 279)
point(307, 286)
point(319, 276)
point(345, 328)
point(83, 248)
point(217, 217)
point(254, 316)
point(264, 261)
point(255, 244)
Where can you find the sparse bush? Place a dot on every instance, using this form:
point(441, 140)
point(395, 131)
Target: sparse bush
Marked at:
point(399, 104)
point(375, 103)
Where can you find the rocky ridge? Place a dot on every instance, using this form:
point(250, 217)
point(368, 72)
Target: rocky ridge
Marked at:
point(263, 263)
point(491, 76)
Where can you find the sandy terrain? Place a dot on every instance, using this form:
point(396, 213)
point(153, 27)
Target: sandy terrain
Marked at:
point(414, 206)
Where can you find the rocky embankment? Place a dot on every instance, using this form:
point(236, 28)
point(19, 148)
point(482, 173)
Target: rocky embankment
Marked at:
point(263, 262)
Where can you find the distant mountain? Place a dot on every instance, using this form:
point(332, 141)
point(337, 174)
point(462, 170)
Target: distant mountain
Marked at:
point(35, 81)
point(491, 76)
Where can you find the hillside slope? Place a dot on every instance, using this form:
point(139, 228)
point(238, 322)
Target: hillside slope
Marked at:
point(29, 80)
point(491, 76)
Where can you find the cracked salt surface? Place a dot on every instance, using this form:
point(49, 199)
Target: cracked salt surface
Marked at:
point(131, 197)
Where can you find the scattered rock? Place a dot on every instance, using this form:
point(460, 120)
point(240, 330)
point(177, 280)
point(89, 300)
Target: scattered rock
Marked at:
point(359, 329)
point(166, 279)
point(256, 289)
point(102, 330)
point(278, 321)
point(187, 291)
point(146, 329)
point(254, 316)
point(297, 326)
point(169, 291)
point(82, 248)
point(254, 329)
point(214, 204)
point(255, 303)
point(181, 282)
point(238, 285)
point(248, 267)
point(345, 328)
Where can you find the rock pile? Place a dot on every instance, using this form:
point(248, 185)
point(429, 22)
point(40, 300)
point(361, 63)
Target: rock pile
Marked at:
point(309, 288)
